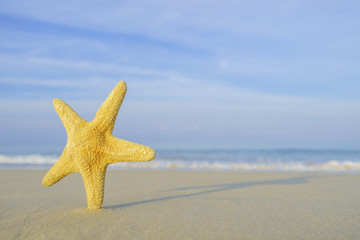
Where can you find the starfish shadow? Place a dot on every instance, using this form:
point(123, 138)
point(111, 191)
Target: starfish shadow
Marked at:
point(216, 188)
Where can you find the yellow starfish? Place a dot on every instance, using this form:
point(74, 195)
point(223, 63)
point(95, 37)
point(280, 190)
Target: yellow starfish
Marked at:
point(91, 147)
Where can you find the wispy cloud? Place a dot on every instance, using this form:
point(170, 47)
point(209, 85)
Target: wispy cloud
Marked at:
point(190, 21)
point(300, 69)
point(88, 66)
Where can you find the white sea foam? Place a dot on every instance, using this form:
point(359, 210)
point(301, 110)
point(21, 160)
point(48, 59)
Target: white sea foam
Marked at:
point(33, 159)
point(46, 161)
point(207, 166)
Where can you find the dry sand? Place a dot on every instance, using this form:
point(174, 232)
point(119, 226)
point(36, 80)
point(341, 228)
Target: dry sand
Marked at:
point(183, 205)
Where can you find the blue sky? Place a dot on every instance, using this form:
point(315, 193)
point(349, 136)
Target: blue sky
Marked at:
point(237, 74)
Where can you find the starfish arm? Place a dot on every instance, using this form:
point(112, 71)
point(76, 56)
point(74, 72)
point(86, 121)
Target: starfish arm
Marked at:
point(94, 181)
point(106, 116)
point(118, 150)
point(63, 167)
point(68, 116)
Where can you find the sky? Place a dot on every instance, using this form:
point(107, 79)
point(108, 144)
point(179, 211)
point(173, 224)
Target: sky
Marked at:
point(200, 74)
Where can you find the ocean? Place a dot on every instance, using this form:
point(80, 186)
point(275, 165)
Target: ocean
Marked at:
point(293, 160)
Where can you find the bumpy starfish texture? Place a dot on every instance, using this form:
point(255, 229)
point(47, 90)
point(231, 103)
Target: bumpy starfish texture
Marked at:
point(91, 147)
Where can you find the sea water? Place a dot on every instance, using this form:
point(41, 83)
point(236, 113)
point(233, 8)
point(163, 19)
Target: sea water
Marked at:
point(216, 160)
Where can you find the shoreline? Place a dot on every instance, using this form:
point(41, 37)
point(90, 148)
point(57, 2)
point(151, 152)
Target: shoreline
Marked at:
point(153, 204)
point(258, 160)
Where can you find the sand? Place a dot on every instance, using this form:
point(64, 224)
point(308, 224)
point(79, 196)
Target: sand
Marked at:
point(183, 205)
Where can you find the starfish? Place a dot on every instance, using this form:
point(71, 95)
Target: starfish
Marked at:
point(91, 147)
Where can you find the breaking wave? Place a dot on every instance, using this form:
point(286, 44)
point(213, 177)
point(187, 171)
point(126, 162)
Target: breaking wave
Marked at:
point(196, 163)
point(208, 166)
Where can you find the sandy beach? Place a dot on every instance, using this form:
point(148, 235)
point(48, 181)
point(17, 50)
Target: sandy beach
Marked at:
point(183, 205)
